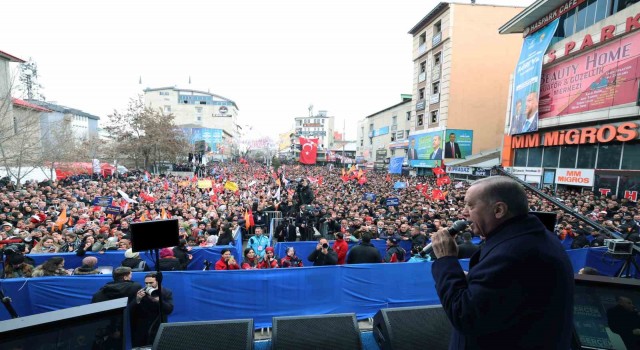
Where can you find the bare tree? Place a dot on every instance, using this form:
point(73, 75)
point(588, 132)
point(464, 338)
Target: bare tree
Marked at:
point(144, 135)
point(59, 144)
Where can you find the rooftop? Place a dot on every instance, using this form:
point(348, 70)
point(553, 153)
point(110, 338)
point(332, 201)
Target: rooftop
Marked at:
point(10, 58)
point(529, 16)
point(63, 109)
point(24, 104)
point(174, 88)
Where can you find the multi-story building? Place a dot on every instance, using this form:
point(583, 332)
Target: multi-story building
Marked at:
point(83, 125)
point(384, 134)
point(319, 126)
point(210, 120)
point(586, 108)
point(461, 71)
point(6, 104)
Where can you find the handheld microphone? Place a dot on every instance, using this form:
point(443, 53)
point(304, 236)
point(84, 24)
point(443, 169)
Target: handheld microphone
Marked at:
point(456, 228)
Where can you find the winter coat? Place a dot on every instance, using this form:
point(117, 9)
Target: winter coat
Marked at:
point(364, 253)
point(117, 289)
point(86, 270)
point(341, 247)
point(320, 259)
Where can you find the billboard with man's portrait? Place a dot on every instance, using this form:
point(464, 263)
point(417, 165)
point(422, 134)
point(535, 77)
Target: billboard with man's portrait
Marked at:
point(458, 143)
point(425, 149)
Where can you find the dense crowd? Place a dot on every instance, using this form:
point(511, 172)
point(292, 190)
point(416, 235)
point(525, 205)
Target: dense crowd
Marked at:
point(221, 199)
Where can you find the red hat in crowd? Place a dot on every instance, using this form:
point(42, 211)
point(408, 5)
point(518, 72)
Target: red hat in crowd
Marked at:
point(166, 253)
point(269, 249)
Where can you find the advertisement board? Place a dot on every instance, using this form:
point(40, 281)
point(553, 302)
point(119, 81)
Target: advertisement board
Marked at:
point(425, 150)
point(460, 170)
point(208, 137)
point(602, 78)
point(458, 143)
point(575, 177)
point(526, 81)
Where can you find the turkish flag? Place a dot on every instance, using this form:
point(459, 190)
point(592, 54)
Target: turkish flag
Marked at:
point(445, 180)
point(308, 150)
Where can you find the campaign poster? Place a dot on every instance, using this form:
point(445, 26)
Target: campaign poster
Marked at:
point(458, 143)
point(602, 78)
point(526, 81)
point(205, 139)
point(395, 165)
point(426, 149)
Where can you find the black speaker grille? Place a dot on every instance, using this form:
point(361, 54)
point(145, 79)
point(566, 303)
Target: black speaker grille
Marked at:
point(205, 335)
point(419, 328)
point(316, 332)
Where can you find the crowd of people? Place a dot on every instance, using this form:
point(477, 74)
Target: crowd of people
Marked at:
point(345, 205)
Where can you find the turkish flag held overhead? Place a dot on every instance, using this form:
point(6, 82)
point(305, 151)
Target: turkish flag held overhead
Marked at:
point(308, 150)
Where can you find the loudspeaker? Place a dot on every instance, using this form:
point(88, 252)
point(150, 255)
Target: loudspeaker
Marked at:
point(338, 331)
point(154, 235)
point(548, 219)
point(424, 327)
point(223, 335)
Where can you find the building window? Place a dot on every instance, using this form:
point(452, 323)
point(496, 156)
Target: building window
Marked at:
point(423, 67)
point(361, 142)
point(393, 152)
point(370, 127)
point(437, 27)
point(551, 155)
point(420, 119)
point(587, 156)
point(437, 58)
point(393, 136)
point(587, 14)
point(534, 158)
point(520, 157)
point(435, 88)
point(434, 117)
point(394, 120)
point(568, 156)
point(609, 156)
point(421, 94)
point(199, 113)
point(631, 155)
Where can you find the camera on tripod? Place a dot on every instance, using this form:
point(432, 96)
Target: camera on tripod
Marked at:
point(619, 247)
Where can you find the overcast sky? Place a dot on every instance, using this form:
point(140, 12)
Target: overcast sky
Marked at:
point(272, 57)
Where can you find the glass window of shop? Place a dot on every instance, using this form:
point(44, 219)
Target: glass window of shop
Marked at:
point(568, 156)
point(587, 156)
point(609, 156)
point(631, 156)
point(534, 159)
point(587, 14)
point(551, 155)
point(520, 157)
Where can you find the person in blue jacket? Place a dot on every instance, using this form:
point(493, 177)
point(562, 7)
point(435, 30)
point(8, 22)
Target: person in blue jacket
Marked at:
point(259, 243)
point(518, 293)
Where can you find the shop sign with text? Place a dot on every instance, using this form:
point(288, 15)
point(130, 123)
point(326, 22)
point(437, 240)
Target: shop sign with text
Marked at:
point(524, 171)
point(622, 132)
point(575, 177)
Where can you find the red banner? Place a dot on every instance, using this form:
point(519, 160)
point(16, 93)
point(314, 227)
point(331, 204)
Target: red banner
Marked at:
point(602, 78)
point(308, 151)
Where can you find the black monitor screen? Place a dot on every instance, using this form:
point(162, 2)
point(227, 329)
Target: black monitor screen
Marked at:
point(605, 313)
point(154, 235)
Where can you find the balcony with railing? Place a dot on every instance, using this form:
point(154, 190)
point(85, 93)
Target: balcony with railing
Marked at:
point(422, 77)
point(437, 38)
point(422, 48)
point(435, 72)
point(434, 98)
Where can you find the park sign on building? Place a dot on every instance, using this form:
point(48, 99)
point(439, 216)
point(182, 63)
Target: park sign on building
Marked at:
point(621, 132)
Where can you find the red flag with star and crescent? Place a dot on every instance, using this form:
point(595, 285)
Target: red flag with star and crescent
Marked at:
point(308, 150)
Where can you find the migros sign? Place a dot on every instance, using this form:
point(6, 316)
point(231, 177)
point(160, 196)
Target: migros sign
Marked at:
point(602, 134)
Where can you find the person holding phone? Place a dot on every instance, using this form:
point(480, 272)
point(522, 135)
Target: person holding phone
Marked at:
point(227, 261)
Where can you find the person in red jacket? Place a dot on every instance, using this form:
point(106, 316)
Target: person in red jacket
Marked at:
point(270, 260)
point(227, 261)
point(291, 260)
point(341, 247)
point(250, 261)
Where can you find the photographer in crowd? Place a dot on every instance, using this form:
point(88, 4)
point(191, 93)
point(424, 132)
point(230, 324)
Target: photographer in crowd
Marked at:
point(145, 313)
point(323, 254)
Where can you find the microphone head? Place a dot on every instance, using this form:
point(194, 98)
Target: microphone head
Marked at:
point(458, 227)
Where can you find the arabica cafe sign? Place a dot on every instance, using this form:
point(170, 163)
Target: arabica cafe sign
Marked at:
point(600, 134)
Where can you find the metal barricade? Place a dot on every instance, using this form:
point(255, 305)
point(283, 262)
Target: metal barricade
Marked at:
point(272, 229)
point(270, 216)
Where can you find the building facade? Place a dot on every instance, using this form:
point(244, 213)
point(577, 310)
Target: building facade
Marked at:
point(210, 120)
point(588, 121)
point(384, 134)
point(6, 104)
point(83, 125)
point(461, 71)
point(319, 126)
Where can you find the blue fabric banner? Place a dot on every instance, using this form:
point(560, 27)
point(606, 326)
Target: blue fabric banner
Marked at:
point(262, 294)
point(395, 165)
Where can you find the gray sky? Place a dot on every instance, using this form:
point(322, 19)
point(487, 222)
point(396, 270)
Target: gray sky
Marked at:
point(272, 57)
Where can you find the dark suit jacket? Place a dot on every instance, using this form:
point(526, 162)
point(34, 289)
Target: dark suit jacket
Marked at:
point(452, 153)
point(437, 154)
point(413, 154)
point(518, 293)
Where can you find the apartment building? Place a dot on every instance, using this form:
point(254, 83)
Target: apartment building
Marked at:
point(586, 107)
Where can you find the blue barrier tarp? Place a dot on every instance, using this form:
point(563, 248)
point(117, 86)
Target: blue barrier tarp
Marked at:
point(262, 294)
point(115, 257)
point(305, 248)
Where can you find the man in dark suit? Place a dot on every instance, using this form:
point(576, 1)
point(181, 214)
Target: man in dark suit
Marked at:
point(413, 153)
point(466, 249)
point(519, 289)
point(451, 148)
point(437, 150)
